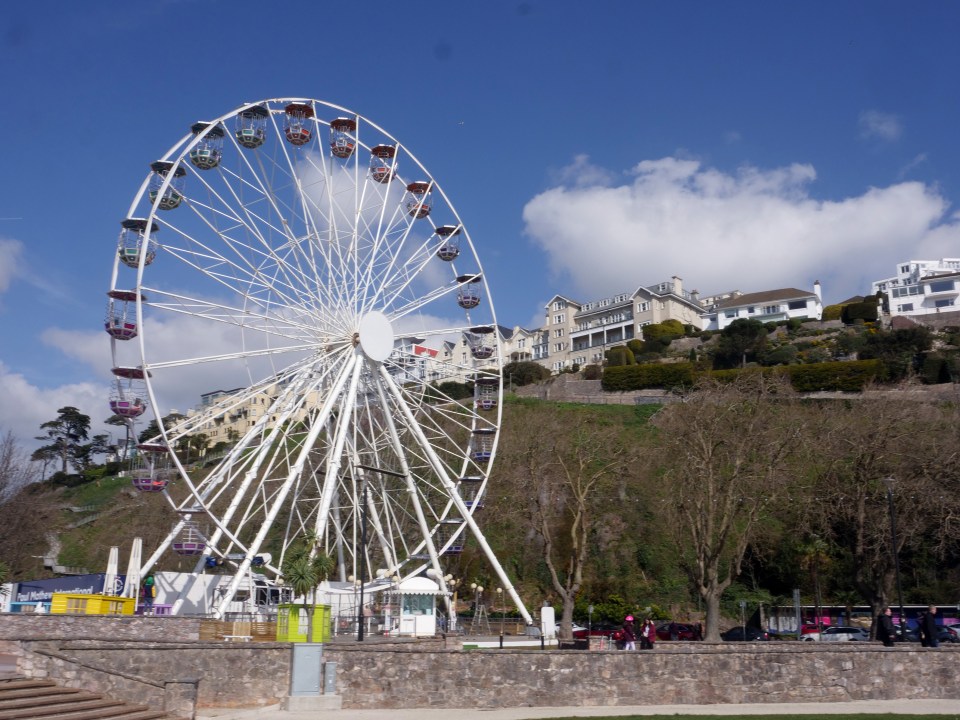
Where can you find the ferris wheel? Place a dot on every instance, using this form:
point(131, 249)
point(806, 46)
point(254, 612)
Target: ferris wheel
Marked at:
point(295, 273)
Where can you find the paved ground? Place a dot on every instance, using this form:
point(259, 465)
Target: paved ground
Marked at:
point(950, 708)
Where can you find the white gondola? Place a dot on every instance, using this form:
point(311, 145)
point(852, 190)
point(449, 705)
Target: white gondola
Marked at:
point(296, 126)
point(173, 195)
point(121, 319)
point(128, 398)
point(134, 236)
point(251, 128)
point(382, 162)
point(342, 140)
point(206, 154)
point(449, 247)
point(418, 202)
point(470, 291)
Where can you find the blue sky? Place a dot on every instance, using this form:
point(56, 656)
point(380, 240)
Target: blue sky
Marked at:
point(589, 148)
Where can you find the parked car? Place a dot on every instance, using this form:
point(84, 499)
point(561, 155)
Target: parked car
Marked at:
point(740, 634)
point(945, 634)
point(684, 631)
point(604, 629)
point(836, 633)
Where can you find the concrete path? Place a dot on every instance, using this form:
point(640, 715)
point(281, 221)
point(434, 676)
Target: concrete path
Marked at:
point(949, 708)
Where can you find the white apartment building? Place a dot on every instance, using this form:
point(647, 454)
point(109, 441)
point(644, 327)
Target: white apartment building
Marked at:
point(766, 306)
point(921, 287)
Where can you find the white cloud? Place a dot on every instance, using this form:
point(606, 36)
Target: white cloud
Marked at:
point(25, 406)
point(876, 125)
point(10, 252)
point(751, 230)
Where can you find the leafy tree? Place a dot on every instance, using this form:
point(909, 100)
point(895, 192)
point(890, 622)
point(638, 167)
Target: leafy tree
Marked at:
point(741, 339)
point(658, 336)
point(900, 351)
point(65, 436)
point(304, 568)
point(725, 454)
point(524, 373)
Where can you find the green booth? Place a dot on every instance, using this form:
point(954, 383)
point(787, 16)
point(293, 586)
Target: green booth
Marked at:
point(292, 623)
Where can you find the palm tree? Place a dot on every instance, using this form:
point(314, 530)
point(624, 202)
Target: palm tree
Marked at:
point(304, 568)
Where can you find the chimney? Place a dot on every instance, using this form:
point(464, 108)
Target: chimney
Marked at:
point(816, 290)
point(677, 286)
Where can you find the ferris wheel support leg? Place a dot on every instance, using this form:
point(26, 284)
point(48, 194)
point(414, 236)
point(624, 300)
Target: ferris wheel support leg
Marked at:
point(340, 439)
point(412, 490)
point(292, 476)
point(455, 496)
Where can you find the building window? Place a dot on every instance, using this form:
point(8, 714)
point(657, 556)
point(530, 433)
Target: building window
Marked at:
point(771, 310)
point(558, 305)
point(558, 332)
point(730, 313)
point(643, 307)
point(751, 310)
point(797, 305)
point(559, 318)
point(906, 307)
point(558, 347)
point(904, 269)
point(943, 303)
point(522, 343)
point(941, 286)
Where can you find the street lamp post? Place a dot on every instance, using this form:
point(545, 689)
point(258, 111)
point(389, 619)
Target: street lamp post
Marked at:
point(896, 555)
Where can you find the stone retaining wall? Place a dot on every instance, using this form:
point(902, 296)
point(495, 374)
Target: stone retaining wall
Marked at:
point(21, 626)
point(387, 673)
point(688, 674)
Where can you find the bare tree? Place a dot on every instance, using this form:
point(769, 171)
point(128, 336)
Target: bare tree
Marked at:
point(561, 472)
point(16, 469)
point(874, 452)
point(725, 454)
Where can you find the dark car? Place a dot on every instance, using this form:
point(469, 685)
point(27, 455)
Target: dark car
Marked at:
point(740, 633)
point(602, 629)
point(945, 634)
point(683, 631)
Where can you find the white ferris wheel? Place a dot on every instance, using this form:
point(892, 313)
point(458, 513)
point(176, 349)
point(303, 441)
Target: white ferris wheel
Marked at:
point(297, 268)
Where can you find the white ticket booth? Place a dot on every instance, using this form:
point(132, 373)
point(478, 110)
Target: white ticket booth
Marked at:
point(418, 607)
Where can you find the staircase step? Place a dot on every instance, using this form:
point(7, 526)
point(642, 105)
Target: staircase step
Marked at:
point(92, 702)
point(34, 690)
point(24, 699)
point(128, 712)
point(36, 701)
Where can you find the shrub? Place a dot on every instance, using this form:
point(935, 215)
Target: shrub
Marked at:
point(638, 377)
point(865, 311)
point(592, 372)
point(524, 373)
point(835, 376)
point(783, 355)
point(832, 312)
point(619, 355)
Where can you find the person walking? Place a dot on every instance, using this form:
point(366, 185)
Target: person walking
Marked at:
point(648, 634)
point(885, 630)
point(629, 634)
point(928, 628)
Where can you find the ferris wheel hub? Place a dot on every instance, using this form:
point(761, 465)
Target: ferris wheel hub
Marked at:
point(376, 336)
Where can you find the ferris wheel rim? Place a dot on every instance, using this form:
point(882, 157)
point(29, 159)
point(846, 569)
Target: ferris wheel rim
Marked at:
point(146, 303)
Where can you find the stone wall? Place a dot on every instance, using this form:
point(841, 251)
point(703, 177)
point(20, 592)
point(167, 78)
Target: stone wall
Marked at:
point(688, 674)
point(18, 626)
point(387, 673)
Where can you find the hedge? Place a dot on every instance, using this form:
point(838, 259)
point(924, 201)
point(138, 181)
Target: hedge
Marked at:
point(653, 375)
point(851, 376)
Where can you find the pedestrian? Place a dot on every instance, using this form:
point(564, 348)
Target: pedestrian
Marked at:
point(149, 593)
point(674, 630)
point(648, 634)
point(629, 634)
point(885, 630)
point(928, 628)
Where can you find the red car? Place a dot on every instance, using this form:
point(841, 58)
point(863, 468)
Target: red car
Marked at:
point(683, 631)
